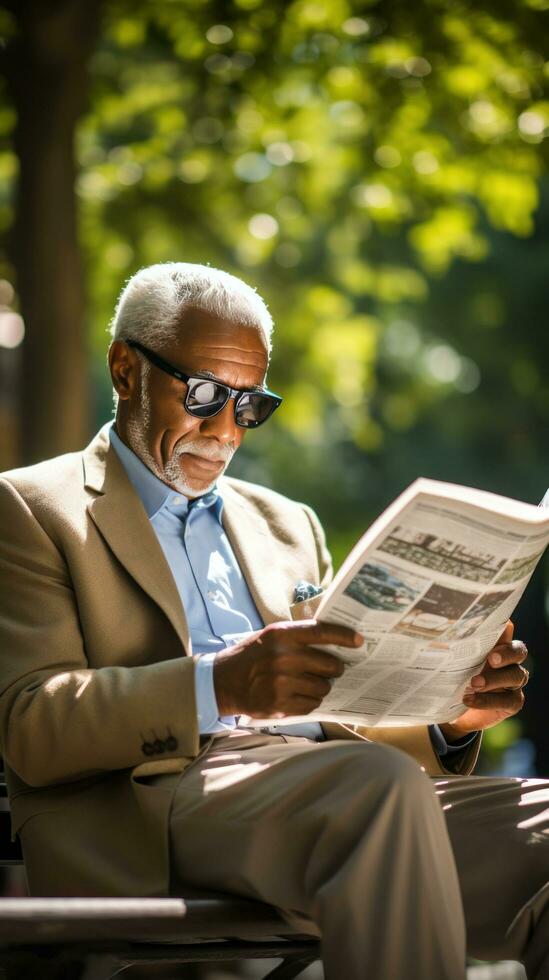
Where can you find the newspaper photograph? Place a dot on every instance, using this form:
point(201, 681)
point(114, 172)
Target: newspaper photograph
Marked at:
point(430, 586)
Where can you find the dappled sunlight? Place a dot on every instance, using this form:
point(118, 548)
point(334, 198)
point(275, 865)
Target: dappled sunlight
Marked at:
point(83, 683)
point(80, 679)
point(226, 776)
point(531, 797)
point(58, 681)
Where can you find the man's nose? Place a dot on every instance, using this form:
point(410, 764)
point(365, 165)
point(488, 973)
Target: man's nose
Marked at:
point(221, 426)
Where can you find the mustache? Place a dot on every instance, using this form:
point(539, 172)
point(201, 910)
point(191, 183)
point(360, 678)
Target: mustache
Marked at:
point(203, 447)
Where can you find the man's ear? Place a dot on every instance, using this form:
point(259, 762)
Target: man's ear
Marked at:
point(124, 368)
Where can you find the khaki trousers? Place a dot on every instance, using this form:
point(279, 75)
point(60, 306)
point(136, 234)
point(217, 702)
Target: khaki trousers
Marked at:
point(354, 843)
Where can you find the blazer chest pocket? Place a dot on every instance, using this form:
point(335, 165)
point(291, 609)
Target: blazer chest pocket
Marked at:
point(306, 609)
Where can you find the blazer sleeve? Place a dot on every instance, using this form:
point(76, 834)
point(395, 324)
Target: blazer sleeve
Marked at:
point(415, 741)
point(61, 720)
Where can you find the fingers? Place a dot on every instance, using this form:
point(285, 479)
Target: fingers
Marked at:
point(508, 653)
point(315, 688)
point(508, 702)
point(302, 705)
point(302, 661)
point(279, 695)
point(502, 669)
point(290, 648)
point(506, 678)
point(311, 633)
point(264, 674)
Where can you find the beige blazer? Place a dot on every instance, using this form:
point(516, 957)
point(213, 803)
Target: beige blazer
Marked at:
point(96, 663)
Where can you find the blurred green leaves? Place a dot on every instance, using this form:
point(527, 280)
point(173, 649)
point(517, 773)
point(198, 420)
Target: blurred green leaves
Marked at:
point(347, 158)
point(343, 157)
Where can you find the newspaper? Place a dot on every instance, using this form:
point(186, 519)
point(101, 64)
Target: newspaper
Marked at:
point(430, 586)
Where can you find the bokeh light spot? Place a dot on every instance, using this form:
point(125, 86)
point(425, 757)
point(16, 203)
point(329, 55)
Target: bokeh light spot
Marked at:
point(249, 120)
point(263, 226)
point(129, 173)
point(482, 112)
point(419, 67)
point(347, 113)
point(387, 156)
point(401, 339)
point(442, 363)
point(372, 196)
point(216, 64)
point(531, 123)
point(468, 378)
point(356, 26)
point(252, 167)
point(280, 154)
point(193, 171)
point(219, 34)
point(424, 162)
point(12, 329)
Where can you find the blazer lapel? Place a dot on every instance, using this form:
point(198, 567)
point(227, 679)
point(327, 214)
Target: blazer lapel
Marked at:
point(121, 519)
point(253, 545)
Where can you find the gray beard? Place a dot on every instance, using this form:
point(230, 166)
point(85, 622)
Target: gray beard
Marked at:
point(171, 473)
point(199, 447)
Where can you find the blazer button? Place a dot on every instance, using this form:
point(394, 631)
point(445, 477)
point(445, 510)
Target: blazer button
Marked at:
point(171, 743)
point(158, 746)
point(147, 748)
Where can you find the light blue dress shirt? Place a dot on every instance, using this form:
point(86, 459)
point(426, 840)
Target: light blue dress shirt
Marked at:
point(218, 605)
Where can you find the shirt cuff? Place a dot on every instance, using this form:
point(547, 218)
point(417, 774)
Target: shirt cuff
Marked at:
point(442, 747)
point(206, 702)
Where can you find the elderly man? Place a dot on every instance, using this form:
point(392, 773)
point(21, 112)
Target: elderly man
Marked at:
point(147, 603)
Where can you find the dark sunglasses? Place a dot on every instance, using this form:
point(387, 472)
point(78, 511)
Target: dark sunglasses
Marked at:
point(206, 397)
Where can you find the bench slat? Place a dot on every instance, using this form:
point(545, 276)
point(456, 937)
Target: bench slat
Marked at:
point(54, 920)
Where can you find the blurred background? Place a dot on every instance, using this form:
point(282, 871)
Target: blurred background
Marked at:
point(376, 169)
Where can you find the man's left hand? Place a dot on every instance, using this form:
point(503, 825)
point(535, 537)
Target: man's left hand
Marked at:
point(496, 692)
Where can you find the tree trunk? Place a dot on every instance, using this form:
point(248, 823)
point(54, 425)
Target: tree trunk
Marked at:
point(46, 71)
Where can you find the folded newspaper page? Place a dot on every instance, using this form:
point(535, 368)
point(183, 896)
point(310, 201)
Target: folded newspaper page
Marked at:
point(430, 586)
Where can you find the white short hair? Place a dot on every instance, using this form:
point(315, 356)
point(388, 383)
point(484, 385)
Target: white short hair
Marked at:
point(152, 301)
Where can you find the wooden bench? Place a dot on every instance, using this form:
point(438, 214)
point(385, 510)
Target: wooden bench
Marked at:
point(65, 938)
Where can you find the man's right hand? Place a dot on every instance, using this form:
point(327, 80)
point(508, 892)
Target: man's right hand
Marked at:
point(277, 671)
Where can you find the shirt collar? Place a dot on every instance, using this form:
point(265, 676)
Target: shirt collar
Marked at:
point(154, 494)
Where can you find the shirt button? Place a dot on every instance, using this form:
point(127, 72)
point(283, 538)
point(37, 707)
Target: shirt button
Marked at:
point(177, 500)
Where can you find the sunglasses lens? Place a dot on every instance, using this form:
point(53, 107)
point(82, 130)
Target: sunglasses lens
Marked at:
point(253, 409)
point(205, 398)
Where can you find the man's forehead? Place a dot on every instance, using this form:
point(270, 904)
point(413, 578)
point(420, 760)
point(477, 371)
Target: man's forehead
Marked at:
point(204, 336)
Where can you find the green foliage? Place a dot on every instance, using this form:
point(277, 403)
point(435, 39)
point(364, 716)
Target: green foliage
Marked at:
point(342, 157)
point(497, 741)
point(355, 161)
